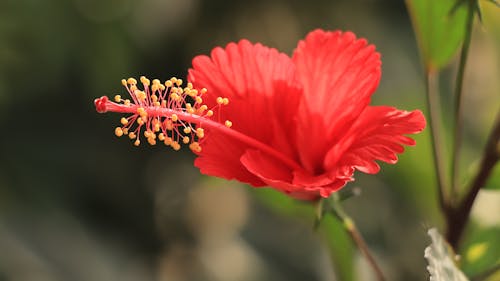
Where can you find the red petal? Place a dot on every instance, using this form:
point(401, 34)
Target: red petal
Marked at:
point(378, 134)
point(263, 99)
point(339, 73)
point(220, 158)
point(298, 185)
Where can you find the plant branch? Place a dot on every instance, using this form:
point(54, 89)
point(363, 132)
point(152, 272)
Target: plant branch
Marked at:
point(458, 120)
point(458, 217)
point(336, 209)
point(434, 107)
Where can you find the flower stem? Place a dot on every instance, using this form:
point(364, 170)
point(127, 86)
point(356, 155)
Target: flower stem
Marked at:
point(349, 225)
point(458, 217)
point(458, 125)
point(434, 107)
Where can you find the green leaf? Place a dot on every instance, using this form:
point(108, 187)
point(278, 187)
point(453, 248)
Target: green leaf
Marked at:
point(493, 181)
point(341, 248)
point(481, 248)
point(440, 29)
point(441, 260)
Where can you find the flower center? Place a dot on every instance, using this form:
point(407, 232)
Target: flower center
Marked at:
point(174, 115)
point(164, 112)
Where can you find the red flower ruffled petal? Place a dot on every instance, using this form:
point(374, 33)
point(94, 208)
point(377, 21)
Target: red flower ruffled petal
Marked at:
point(312, 110)
point(339, 73)
point(378, 134)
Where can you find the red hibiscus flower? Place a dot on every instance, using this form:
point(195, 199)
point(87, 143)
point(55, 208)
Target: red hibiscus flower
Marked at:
point(308, 116)
point(301, 125)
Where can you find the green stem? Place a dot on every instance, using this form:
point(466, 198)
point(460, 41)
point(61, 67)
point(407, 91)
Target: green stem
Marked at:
point(434, 108)
point(458, 121)
point(349, 225)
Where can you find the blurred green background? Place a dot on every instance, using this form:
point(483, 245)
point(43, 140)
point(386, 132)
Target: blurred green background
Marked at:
point(78, 204)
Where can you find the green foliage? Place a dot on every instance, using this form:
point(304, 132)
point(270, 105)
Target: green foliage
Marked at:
point(339, 243)
point(494, 179)
point(440, 29)
point(481, 250)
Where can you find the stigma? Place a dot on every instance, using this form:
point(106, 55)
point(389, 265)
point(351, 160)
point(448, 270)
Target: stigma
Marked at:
point(162, 112)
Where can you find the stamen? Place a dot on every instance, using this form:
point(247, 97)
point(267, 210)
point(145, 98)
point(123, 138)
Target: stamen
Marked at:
point(165, 112)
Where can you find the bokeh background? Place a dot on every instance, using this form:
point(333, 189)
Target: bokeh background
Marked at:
point(76, 203)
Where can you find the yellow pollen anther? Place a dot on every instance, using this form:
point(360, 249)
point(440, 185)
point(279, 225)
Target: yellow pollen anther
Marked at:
point(210, 113)
point(132, 136)
point(185, 140)
point(228, 123)
point(169, 125)
point(151, 141)
point(145, 81)
point(132, 81)
point(203, 91)
point(174, 96)
point(195, 146)
point(161, 136)
point(199, 100)
point(189, 108)
point(118, 98)
point(174, 117)
point(124, 121)
point(168, 141)
point(200, 133)
point(225, 101)
point(124, 82)
point(187, 130)
point(140, 121)
point(179, 82)
point(220, 100)
point(137, 142)
point(193, 93)
point(127, 102)
point(176, 146)
point(118, 132)
point(125, 131)
point(168, 83)
point(141, 95)
point(190, 85)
